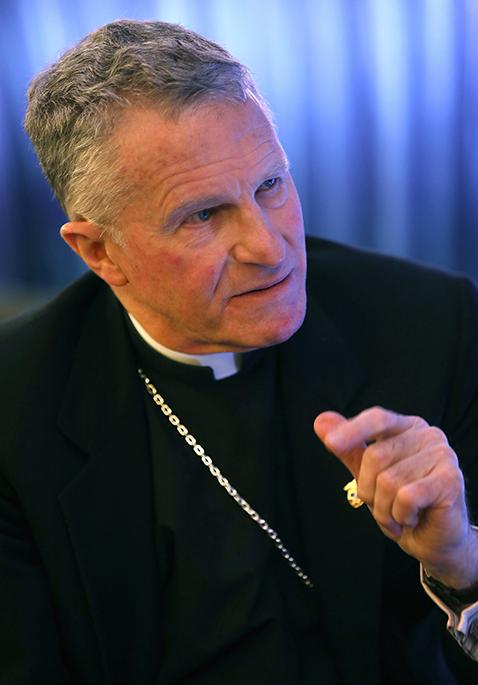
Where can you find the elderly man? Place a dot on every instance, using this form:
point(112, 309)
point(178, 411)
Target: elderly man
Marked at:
point(167, 513)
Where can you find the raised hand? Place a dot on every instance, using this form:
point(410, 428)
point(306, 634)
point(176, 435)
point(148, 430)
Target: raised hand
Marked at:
point(410, 478)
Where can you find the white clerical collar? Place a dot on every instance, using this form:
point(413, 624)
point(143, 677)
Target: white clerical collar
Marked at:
point(223, 364)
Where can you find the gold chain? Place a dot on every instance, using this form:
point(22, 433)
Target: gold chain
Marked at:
point(223, 482)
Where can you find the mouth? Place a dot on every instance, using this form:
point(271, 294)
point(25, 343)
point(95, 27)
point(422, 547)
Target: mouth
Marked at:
point(265, 288)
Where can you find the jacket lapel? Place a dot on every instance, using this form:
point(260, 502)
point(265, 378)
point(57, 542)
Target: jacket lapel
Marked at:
point(319, 373)
point(108, 506)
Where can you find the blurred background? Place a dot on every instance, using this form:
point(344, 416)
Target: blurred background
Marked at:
point(376, 103)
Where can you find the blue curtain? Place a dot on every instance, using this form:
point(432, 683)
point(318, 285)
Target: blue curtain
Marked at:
point(376, 103)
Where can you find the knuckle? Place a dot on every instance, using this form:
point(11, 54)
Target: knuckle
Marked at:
point(405, 499)
point(378, 413)
point(373, 456)
point(455, 478)
point(445, 455)
point(386, 481)
point(378, 417)
point(451, 482)
point(435, 434)
point(419, 422)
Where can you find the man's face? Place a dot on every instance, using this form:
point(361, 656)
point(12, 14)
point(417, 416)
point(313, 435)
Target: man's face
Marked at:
point(213, 249)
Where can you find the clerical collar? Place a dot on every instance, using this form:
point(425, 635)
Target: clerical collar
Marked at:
point(223, 364)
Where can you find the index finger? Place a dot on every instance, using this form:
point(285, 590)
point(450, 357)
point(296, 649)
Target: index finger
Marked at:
point(367, 427)
point(327, 423)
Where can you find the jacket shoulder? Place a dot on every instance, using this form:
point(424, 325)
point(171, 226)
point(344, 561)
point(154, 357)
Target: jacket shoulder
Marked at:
point(413, 328)
point(44, 336)
point(337, 271)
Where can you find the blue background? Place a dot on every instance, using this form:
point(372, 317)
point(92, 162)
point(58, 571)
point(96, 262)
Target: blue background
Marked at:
point(376, 103)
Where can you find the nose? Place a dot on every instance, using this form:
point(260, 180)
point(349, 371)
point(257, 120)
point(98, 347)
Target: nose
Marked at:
point(256, 240)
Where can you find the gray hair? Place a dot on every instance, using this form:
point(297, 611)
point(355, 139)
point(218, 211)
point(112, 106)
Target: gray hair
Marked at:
point(75, 104)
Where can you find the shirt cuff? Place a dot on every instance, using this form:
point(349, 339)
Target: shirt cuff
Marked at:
point(463, 626)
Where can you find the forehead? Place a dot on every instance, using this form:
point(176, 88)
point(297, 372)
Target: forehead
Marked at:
point(153, 148)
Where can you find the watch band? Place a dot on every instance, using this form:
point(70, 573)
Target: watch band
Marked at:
point(455, 599)
point(462, 615)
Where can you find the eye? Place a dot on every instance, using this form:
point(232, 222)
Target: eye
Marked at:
point(200, 217)
point(203, 214)
point(270, 184)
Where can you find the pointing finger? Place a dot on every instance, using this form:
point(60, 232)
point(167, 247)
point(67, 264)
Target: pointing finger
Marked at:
point(326, 425)
point(368, 426)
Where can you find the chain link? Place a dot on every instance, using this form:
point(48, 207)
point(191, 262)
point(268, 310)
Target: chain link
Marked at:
point(175, 421)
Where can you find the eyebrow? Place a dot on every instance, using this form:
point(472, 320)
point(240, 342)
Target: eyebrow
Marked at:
point(187, 208)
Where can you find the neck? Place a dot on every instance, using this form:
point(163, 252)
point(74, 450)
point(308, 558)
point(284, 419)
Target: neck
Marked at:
point(223, 364)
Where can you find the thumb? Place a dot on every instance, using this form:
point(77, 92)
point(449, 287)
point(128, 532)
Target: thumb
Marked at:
point(324, 427)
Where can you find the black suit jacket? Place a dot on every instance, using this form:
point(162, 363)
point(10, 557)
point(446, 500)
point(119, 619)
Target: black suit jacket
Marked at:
point(79, 597)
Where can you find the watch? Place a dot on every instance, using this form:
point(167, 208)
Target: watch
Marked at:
point(455, 599)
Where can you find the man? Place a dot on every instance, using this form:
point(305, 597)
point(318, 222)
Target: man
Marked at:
point(167, 513)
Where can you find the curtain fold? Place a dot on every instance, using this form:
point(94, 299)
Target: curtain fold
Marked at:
point(376, 102)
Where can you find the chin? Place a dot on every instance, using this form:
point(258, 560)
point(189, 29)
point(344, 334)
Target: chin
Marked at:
point(276, 332)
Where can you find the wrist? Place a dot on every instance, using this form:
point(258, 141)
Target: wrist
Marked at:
point(459, 572)
point(454, 599)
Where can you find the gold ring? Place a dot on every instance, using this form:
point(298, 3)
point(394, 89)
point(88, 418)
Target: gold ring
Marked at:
point(352, 498)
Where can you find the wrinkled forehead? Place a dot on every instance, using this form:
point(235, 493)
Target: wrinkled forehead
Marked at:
point(149, 142)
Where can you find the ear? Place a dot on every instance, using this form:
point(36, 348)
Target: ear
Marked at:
point(95, 248)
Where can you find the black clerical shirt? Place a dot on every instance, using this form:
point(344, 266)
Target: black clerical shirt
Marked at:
point(232, 610)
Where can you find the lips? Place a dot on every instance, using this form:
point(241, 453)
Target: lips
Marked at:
point(267, 286)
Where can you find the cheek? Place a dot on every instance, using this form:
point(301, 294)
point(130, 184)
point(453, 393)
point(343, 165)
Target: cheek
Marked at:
point(179, 271)
point(154, 265)
point(169, 260)
point(205, 280)
point(193, 275)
